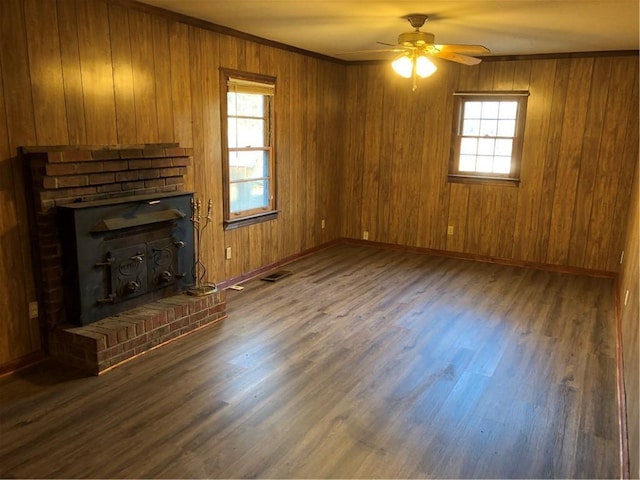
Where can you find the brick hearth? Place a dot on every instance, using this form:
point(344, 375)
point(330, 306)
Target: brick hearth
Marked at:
point(101, 345)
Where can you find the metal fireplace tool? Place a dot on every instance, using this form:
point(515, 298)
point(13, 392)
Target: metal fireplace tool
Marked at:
point(200, 288)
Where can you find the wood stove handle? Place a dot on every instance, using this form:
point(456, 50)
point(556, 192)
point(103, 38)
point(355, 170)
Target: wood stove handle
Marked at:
point(110, 299)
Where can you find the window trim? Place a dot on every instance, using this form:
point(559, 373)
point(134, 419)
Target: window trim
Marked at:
point(513, 177)
point(232, 221)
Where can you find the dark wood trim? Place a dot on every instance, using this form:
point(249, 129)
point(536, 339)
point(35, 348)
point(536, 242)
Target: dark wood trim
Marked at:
point(625, 467)
point(535, 56)
point(256, 215)
point(23, 362)
point(557, 56)
point(475, 179)
point(487, 259)
point(206, 25)
point(428, 251)
point(250, 220)
point(259, 271)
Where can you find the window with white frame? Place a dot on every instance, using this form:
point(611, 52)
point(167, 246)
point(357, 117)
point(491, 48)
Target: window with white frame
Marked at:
point(487, 136)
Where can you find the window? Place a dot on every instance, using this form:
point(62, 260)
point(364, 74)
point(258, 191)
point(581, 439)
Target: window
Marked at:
point(248, 139)
point(487, 136)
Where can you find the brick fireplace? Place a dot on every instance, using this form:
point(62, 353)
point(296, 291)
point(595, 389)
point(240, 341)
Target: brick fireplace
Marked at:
point(70, 178)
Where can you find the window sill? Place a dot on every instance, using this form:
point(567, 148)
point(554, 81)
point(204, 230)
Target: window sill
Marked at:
point(250, 220)
point(477, 179)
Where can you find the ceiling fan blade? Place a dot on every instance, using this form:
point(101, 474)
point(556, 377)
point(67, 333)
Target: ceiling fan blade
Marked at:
point(464, 49)
point(388, 44)
point(456, 57)
point(381, 50)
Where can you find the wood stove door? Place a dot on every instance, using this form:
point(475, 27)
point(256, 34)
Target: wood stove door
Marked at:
point(128, 272)
point(163, 263)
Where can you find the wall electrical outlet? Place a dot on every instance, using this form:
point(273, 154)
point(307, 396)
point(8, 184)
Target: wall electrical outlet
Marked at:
point(33, 309)
point(450, 230)
point(322, 223)
point(227, 253)
point(365, 235)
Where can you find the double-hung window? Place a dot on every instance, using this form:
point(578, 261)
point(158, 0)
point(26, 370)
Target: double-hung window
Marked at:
point(487, 136)
point(248, 147)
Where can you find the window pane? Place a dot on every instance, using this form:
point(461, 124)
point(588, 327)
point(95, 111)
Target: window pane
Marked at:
point(502, 164)
point(244, 133)
point(248, 195)
point(488, 128)
point(484, 164)
point(247, 104)
point(467, 163)
point(504, 146)
point(506, 128)
point(485, 146)
point(490, 109)
point(508, 110)
point(248, 165)
point(471, 127)
point(472, 109)
point(469, 146)
point(231, 104)
point(487, 135)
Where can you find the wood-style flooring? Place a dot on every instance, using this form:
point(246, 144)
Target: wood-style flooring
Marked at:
point(363, 363)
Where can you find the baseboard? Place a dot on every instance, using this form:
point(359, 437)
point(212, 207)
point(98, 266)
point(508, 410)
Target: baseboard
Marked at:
point(422, 250)
point(485, 258)
point(22, 362)
point(625, 470)
point(266, 268)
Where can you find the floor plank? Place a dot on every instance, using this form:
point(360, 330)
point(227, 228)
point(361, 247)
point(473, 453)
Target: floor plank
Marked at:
point(365, 363)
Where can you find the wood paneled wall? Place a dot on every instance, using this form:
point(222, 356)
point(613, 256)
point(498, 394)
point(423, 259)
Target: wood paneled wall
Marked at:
point(581, 143)
point(101, 72)
point(630, 323)
point(355, 146)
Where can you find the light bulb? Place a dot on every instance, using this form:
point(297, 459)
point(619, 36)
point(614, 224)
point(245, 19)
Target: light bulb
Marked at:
point(425, 67)
point(403, 66)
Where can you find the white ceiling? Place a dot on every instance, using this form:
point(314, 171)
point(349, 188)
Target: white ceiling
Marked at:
point(507, 27)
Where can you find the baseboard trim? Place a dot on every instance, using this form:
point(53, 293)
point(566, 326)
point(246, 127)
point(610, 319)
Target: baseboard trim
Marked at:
point(250, 275)
point(23, 362)
point(484, 258)
point(625, 467)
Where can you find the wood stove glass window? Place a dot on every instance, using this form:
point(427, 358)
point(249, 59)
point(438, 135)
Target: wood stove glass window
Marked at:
point(249, 170)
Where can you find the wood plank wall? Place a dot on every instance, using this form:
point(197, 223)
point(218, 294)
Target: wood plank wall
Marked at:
point(581, 143)
point(101, 72)
point(357, 148)
point(630, 324)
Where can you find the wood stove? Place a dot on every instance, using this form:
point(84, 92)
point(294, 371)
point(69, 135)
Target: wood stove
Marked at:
point(124, 252)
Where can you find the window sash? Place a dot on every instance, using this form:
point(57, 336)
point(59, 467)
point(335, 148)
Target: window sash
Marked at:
point(498, 170)
point(258, 179)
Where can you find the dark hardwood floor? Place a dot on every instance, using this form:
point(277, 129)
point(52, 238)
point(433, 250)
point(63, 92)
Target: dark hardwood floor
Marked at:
point(364, 363)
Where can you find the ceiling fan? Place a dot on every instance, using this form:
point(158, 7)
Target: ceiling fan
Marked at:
point(416, 47)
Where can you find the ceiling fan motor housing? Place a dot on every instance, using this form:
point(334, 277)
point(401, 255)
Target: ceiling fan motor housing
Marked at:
point(416, 39)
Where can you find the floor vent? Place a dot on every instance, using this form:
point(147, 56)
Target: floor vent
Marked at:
point(277, 275)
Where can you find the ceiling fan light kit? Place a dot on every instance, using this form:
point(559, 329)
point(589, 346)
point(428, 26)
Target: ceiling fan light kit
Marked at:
point(412, 65)
point(416, 47)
